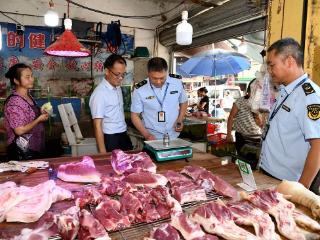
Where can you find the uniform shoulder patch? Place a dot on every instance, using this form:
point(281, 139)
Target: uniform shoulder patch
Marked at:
point(307, 88)
point(140, 84)
point(175, 76)
point(314, 111)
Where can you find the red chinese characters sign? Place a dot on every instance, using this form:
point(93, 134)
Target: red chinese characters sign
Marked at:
point(37, 40)
point(13, 39)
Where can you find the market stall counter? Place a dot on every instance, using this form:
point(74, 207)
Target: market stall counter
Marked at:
point(228, 171)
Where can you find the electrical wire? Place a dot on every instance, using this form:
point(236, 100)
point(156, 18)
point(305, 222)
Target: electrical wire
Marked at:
point(10, 17)
point(125, 16)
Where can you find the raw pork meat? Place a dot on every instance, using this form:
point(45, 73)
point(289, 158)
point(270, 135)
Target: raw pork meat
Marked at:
point(306, 222)
point(144, 178)
point(282, 210)
point(183, 189)
point(28, 204)
point(90, 195)
point(68, 223)
point(189, 229)
point(217, 219)
point(209, 181)
point(91, 228)
point(164, 232)
point(130, 206)
point(108, 214)
point(84, 171)
point(126, 162)
point(115, 186)
point(245, 213)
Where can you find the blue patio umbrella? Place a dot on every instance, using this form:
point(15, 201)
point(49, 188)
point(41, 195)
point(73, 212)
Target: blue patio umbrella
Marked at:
point(215, 63)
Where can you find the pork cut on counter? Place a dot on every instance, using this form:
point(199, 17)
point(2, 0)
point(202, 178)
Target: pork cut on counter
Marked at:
point(28, 204)
point(68, 223)
point(282, 210)
point(184, 189)
point(131, 162)
point(210, 182)
point(84, 171)
point(144, 178)
point(115, 186)
point(91, 228)
point(245, 213)
point(189, 229)
point(217, 219)
point(306, 222)
point(164, 232)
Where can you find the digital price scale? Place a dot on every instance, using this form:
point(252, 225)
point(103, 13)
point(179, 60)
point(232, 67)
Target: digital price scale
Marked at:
point(177, 149)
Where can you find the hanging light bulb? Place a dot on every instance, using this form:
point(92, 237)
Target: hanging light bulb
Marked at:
point(51, 18)
point(243, 47)
point(184, 31)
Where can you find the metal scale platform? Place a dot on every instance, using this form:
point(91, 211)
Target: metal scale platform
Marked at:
point(177, 149)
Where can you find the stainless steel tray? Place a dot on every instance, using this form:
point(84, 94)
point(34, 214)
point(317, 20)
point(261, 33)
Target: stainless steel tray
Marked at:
point(176, 143)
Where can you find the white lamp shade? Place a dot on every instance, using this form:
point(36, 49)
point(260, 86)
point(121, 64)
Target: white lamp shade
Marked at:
point(184, 31)
point(51, 18)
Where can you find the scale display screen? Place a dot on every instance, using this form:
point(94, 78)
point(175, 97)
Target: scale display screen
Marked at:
point(174, 153)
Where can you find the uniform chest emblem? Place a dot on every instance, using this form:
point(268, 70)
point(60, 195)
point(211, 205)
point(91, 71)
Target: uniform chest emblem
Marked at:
point(150, 97)
point(314, 111)
point(173, 92)
point(286, 108)
point(307, 88)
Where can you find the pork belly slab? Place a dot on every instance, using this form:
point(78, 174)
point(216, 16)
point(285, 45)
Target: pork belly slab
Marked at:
point(277, 206)
point(84, 171)
point(184, 189)
point(210, 182)
point(131, 162)
point(144, 178)
point(217, 219)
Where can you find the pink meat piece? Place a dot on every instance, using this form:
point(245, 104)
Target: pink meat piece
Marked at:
point(125, 162)
point(34, 201)
point(282, 210)
point(183, 189)
point(164, 232)
point(91, 228)
point(130, 206)
point(90, 195)
point(209, 181)
point(7, 185)
point(84, 171)
point(68, 223)
point(140, 179)
point(108, 214)
point(189, 229)
point(217, 219)
point(245, 213)
point(115, 186)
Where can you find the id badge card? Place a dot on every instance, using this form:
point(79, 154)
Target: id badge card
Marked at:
point(265, 131)
point(161, 116)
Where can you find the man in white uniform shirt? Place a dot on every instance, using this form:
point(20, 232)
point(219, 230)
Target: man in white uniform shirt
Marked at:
point(106, 105)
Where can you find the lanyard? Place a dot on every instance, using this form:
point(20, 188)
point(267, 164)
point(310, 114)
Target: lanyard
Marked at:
point(164, 96)
point(275, 111)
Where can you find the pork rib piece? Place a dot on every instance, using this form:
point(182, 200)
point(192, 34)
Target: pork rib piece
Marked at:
point(108, 214)
point(68, 223)
point(89, 195)
point(115, 186)
point(183, 189)
point(189, 229)
point(124, 162)
point(164, 232)
point(282, 210)
point(209, 181)
point(143, 178)
point(91, 228)
point(84, 171)
point(245, 213)
point(217, 219)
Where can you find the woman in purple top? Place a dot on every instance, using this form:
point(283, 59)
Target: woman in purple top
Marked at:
point(21, 115)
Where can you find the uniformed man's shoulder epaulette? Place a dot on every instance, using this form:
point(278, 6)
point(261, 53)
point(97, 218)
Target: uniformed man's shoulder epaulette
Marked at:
point(308, 89)
point(140, 84)
point(175, 76)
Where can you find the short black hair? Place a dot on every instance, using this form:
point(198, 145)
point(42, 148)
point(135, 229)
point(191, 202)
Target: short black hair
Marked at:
point(203, 89)
point(157, 64)
point(288, 47)
point(112, 59)
point(249, 88)
point(15, 71)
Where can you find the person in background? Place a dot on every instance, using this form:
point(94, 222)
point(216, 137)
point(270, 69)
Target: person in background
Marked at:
point(227, 101)
point(161, 101)
point(291, 138)
point(22, 117)
point(243, 120)
point(218, 112)
point(203, 104)
point(106, 105)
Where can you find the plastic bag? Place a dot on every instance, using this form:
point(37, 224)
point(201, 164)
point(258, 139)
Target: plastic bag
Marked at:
point(255, 96)
point(266, 96)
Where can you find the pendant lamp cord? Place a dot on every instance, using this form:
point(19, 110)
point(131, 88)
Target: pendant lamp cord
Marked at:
point(68, 8)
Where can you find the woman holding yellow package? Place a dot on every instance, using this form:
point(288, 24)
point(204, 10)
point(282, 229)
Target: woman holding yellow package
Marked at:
point(23, 119)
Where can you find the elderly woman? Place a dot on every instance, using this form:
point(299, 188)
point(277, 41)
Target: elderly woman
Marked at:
point(23, 120)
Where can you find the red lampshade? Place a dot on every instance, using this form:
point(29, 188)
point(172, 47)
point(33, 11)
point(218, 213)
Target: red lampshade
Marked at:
point(67, 45)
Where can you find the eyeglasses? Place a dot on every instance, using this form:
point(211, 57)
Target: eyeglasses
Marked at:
point(118, 75)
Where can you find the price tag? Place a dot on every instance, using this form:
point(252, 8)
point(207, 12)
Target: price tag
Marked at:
point(248, 184)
